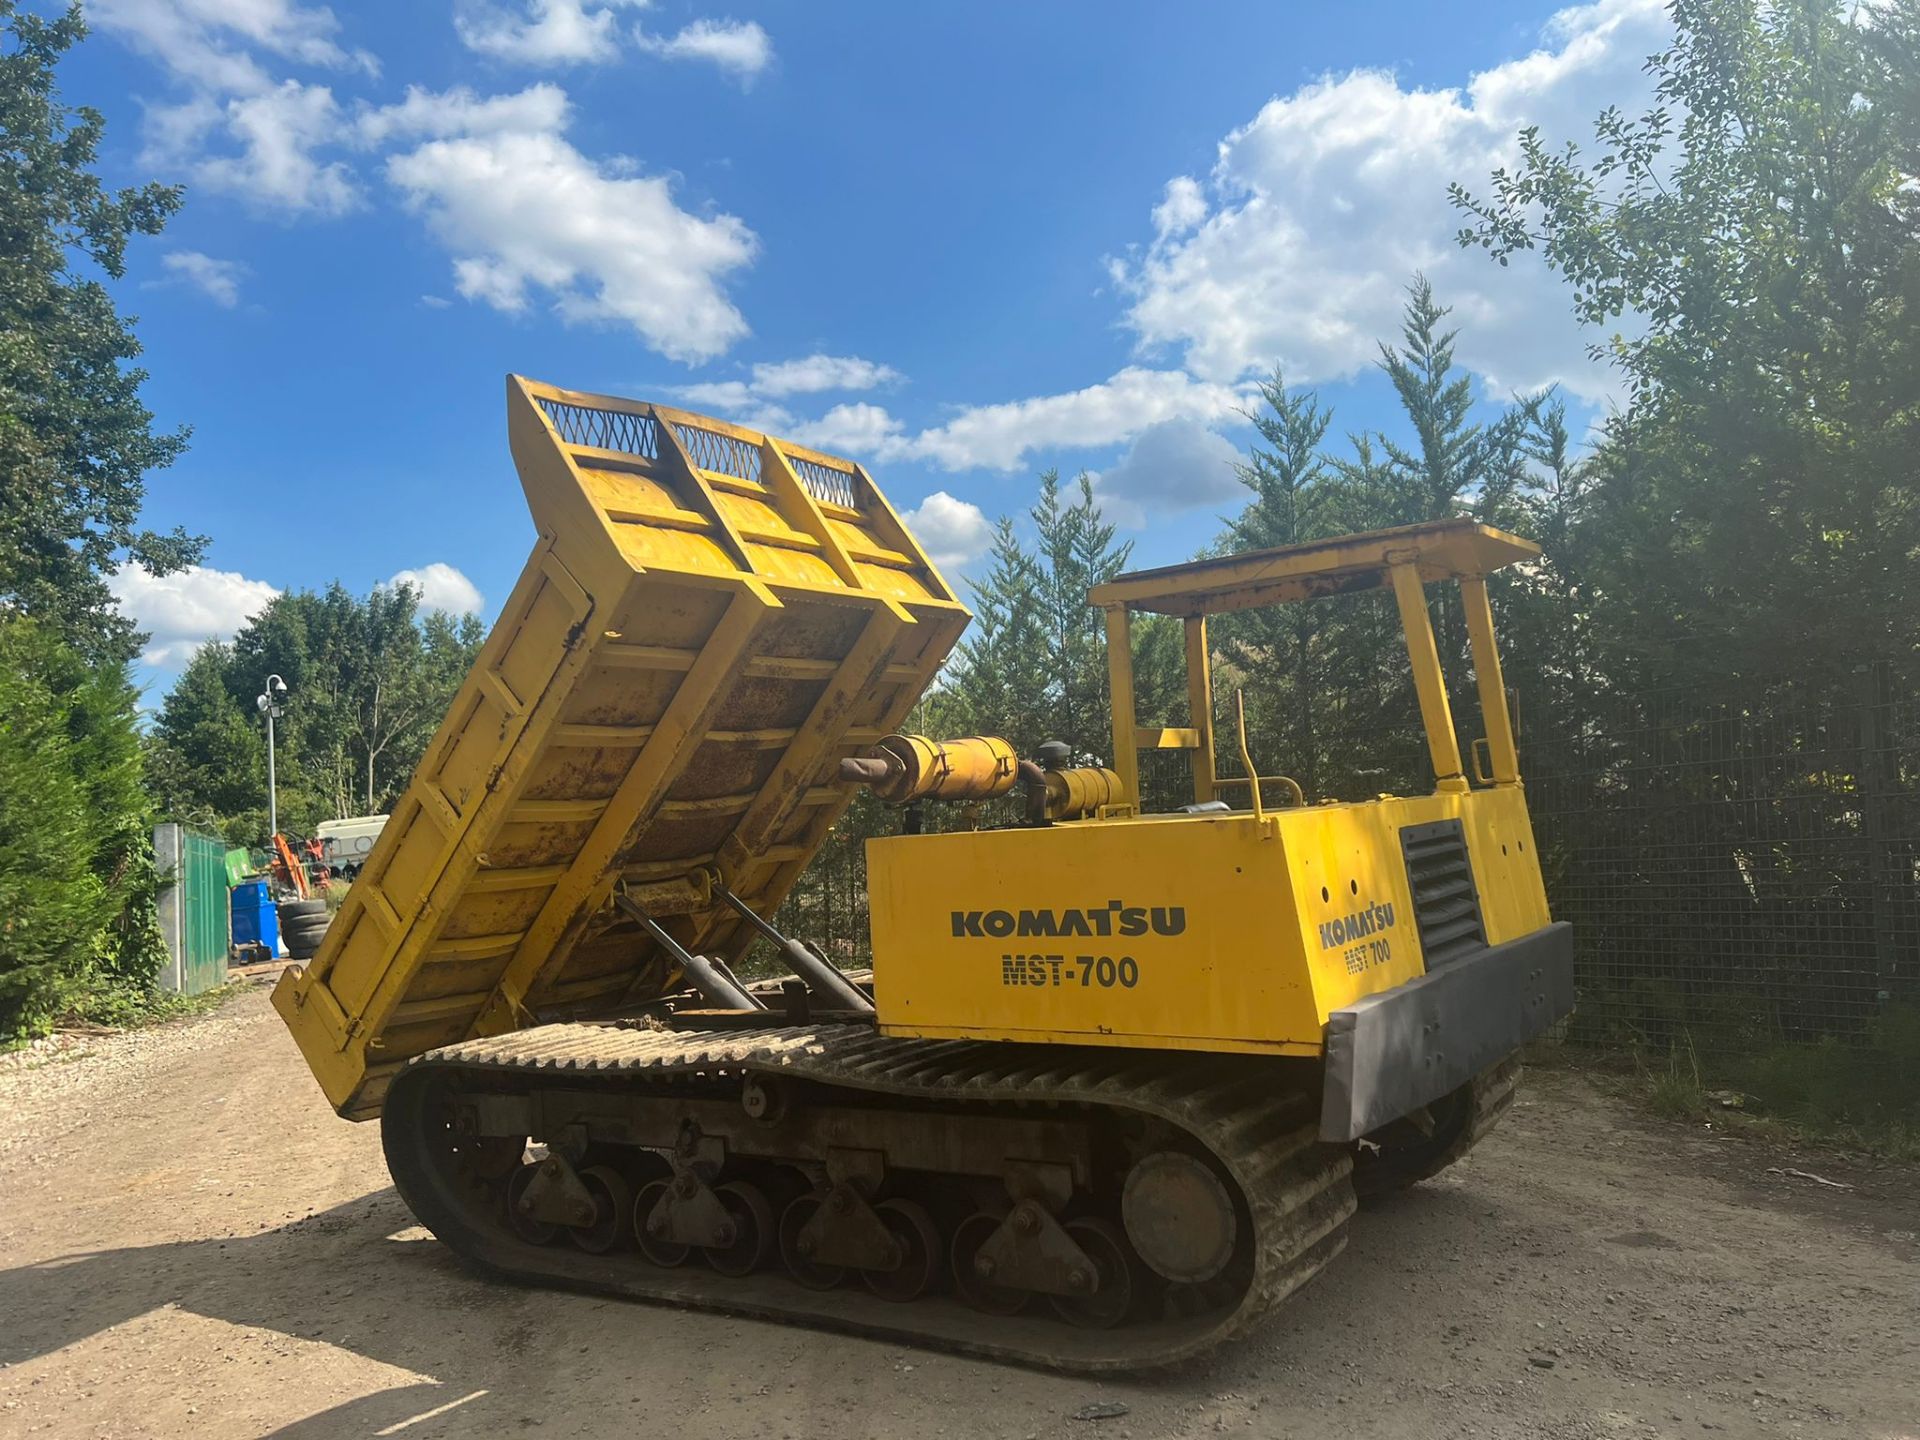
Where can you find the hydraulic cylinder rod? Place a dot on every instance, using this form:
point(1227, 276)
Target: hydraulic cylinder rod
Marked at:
point(902, 768)
point(820, 973)
point(712, 979)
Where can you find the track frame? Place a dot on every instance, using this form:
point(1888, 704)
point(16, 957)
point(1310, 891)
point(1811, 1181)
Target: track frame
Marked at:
point(1240, 1112)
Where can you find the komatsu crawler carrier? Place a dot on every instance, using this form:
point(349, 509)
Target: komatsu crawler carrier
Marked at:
point(1117, 1077)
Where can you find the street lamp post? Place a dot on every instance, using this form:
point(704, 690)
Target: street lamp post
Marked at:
point(267, 702)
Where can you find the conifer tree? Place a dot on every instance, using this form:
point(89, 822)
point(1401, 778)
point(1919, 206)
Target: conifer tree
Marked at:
point(1456, 465)
point(1276, 653)
point(1000, 681)
point(1076, 550)
point(1033, 666)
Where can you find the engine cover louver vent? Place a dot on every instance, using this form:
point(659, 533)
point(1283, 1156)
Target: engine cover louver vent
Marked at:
point(1446, 906)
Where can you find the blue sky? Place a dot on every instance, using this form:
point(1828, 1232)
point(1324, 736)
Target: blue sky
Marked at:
point(959, 243)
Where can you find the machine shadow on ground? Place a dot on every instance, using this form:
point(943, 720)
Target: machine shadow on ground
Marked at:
point(362, 1277)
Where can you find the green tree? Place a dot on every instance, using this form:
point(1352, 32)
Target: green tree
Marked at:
point(76, 443)
point(1546, 643)
point(1750, 243)
point(1033, 666)
point(1077, 550)
point(207, 760)
point(1280, 648)
point(49, 892)
point(370, 679)
point(1456, 464)
point(1328, 693)
point(76, 872)
point(76, 869)
point(998, 681)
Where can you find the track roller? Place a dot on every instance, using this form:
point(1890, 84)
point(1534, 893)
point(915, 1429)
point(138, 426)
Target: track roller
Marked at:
point(1111, 1299)
point(1179, 1216)
point(920, 1248)
point(612, 1202)
point(973, 1272)
point(755, 1232)
point(520, 1209)
point(796, 1249)
point(649, 1228)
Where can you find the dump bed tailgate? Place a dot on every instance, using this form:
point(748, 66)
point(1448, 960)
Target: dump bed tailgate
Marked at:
point(710, 620)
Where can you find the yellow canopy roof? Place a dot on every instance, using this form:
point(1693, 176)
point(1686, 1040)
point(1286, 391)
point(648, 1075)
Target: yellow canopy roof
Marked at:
point(1440, 549)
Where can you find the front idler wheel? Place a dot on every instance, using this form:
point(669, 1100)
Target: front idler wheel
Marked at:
point(920, 1250)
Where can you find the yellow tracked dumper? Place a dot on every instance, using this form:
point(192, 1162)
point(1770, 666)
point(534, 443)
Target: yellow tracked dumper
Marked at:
point(1117, 1078)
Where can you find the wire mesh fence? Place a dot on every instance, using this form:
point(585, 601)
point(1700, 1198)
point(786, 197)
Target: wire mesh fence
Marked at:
point(1739, 875)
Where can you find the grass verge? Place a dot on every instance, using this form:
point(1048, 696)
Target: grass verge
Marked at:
point(1862, 1097)
point(129, 1010)
point(121, 1011)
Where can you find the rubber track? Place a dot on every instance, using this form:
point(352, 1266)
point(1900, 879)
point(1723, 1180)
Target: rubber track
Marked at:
point(1493, 1092)
point(1297, 1188)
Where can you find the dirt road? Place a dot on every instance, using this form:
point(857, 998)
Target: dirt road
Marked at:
point(190, 1242)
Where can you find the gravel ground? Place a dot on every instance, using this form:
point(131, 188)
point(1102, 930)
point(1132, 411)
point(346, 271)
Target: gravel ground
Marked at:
point(190, 1241)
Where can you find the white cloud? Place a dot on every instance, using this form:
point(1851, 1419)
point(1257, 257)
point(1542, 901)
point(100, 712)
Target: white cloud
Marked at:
point(162, 34)
point(813, 374)
point(184, 610)
point(731, 397)
point(755, 402)
point(1177, 465)
point(951, 531)
point(739, 47)
point(1297, 247)
point(218, 280)
point(736, 401)
point(855, 430)
point(442, 587)
point(525, 215)
point(275, 170)
point(239, 130)
point(1183, 206)
point(543, 32)
point(175, 132)
point(1003, 436)
point(196, 39)
point(431, 114)
point(523, 210)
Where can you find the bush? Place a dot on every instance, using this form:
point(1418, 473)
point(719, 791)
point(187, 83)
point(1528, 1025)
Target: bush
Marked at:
point(77, 927)
point(1871, 1087)
point(1862, 1092)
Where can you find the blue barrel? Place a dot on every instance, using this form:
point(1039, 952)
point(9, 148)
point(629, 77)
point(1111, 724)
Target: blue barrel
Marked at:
point(255, 921)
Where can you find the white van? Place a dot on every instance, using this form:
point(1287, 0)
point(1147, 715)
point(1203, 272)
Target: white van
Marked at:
point(345, 844)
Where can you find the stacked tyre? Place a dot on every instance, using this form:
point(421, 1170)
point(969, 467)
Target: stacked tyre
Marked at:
point(303, 924)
